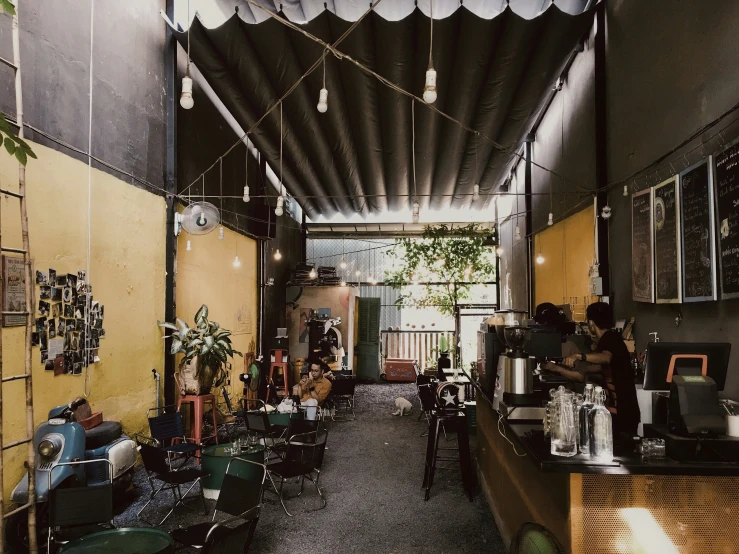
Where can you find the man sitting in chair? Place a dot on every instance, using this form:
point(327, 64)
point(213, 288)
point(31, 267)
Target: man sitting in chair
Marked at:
point(313, 387)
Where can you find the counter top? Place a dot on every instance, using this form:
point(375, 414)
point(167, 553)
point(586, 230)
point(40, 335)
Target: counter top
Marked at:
point(529, 436)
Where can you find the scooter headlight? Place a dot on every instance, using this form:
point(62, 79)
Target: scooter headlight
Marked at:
point(49, 447)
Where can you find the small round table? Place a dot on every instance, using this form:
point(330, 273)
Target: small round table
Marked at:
point(128, 540)
point(215, 459)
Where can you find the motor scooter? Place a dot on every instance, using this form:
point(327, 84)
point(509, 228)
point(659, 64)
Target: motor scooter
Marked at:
point(62, 440)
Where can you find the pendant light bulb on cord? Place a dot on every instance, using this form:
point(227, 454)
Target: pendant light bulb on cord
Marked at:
point(476, 192)
point(186, 100)
point(280, 204)
point(322, 101)
point(278, 255)
point(429, 91)
point(551, 219)
point(246, 193)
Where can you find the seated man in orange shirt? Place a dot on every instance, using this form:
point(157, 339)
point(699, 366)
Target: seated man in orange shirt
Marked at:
point(314, 387)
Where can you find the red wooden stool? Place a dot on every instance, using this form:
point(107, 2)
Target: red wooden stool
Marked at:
point(196, 413)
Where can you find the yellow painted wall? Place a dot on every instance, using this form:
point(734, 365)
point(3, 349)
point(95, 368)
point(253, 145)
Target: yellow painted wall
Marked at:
point(567, 248)
point(127, 273)
point(206, 275)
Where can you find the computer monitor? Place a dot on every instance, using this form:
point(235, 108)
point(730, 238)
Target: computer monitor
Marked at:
point(659, 355)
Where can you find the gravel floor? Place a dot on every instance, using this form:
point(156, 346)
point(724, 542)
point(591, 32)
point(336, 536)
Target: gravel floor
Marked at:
point(371, 478)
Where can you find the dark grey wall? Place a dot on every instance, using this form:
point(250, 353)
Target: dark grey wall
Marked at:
point(669, 73)
point(670, 70)
point(128, 93)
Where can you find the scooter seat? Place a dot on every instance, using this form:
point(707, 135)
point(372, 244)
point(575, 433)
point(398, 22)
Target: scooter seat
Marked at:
point(102, 434)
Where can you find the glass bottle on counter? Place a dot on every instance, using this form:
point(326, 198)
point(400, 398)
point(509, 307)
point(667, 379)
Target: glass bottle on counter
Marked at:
point(584, 426)
point(601, 429)
point(563, 428)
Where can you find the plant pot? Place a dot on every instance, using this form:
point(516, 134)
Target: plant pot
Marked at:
point(195, 378)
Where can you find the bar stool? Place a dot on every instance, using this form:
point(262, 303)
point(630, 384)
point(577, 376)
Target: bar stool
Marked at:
point(448, 411)
point(196, 413)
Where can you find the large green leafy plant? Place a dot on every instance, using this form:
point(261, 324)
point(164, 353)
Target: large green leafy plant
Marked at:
point(207, 341)
point(456, 259)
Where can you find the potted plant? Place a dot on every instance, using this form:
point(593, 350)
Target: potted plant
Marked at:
point(205, 349)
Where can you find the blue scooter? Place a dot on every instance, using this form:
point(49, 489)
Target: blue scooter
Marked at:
point(62, 440)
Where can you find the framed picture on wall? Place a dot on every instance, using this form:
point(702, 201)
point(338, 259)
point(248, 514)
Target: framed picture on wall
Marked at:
point(697, 233)
point(667, 255)
point(642, 251)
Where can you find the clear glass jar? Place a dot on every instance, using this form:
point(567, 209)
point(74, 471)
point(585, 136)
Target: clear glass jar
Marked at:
point(601, 429)
point(583, 424)
point(563, 429)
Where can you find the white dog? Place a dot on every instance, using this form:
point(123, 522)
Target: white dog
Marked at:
point(403, 407)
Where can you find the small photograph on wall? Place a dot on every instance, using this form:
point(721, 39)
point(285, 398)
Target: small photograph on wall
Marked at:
point(56, 294)
point(324, 313)
point(52, 277)
point(303, 328)
point(69, 311)
point(43, 308)
point(61, 281)
point(41, 278)
point(41, 324)
point(57, 310)
point(45, 292)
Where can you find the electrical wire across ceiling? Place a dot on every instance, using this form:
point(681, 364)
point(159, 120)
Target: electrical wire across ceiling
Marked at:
point(492, 77)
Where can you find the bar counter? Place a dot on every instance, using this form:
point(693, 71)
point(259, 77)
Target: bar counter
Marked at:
point(626, 506)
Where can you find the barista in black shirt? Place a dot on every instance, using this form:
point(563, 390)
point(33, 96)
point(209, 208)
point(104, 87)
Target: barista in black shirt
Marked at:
point(613, 356)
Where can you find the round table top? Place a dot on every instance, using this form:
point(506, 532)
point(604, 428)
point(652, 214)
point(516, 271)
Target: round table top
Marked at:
point(128, 540)
point(224, 450)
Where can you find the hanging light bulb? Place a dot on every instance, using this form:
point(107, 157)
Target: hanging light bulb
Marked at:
point(220, 233)
point(518, 232)
point(476, 192)
point(280, 203)
point(539, 259)
point(236, 262)
point(499, 251)
point(322, 100)
point(551, 219)
point(342, 264)
point(246, 193)
point(278, 256)
point(313, 273)
point(429, 91)
point(186, 100)
point(416, 211)
point(189, 246)
point(626, 190)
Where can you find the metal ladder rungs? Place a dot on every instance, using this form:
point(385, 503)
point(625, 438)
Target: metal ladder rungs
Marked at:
point(15, 378)
point(13, 250)
point(18, 509)
point(9, 64)
point(17, 443)
point(11, 193)
point(15, 313)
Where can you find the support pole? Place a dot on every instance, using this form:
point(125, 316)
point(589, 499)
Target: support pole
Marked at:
point(170, 74)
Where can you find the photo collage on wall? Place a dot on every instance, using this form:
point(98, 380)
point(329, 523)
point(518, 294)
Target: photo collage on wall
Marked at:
point(69, 322)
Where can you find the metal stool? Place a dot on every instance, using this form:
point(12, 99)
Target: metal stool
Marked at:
point(196, 415)
point(448, 411)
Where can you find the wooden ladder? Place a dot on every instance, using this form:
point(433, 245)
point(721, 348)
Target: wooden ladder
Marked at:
point(28, 314)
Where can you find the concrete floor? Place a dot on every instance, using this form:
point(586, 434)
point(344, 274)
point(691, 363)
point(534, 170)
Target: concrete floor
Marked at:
point(371, 478)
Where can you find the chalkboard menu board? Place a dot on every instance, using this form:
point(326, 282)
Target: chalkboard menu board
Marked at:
point(667, 242)
point(726, 173)
point(642, 261)
point(698, 236)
